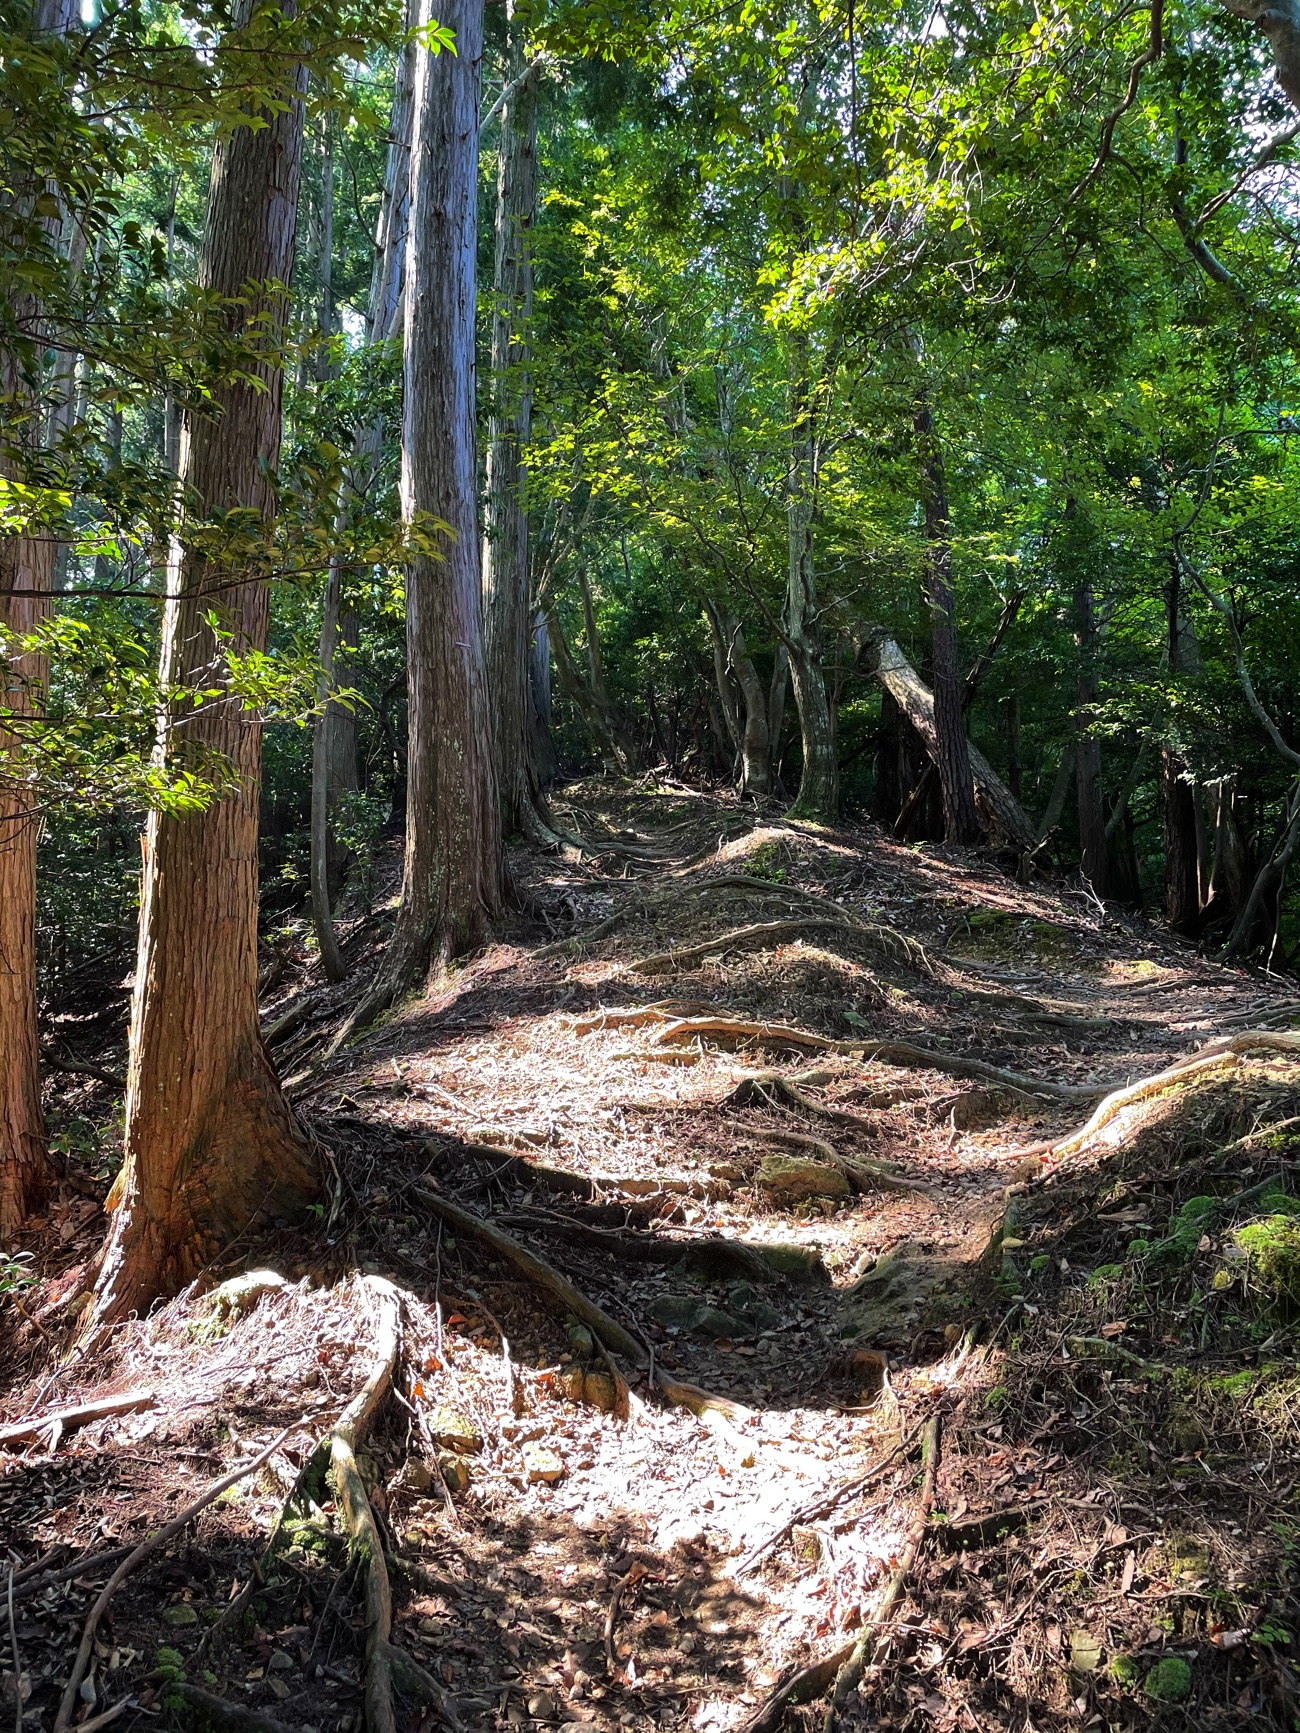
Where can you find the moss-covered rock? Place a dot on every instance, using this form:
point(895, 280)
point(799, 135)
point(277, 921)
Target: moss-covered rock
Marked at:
point(1273, 1246)
point(1169, 1681)
point(794, 1179)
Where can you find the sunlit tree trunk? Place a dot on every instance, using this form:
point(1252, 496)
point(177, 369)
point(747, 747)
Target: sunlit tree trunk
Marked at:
point(740, 687)
point(27, 572)
point(506, 567)
point(212, 1149)
point(454, 878)
point(818, 796)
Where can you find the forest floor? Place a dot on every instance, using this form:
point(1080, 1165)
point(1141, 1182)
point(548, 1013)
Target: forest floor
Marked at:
point(823, 1177)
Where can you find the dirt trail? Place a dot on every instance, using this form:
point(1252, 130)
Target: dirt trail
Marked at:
point(839, 1249)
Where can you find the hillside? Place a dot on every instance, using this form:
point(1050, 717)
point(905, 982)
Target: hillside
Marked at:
point(902, 1357)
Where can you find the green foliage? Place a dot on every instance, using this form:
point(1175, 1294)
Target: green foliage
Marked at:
point(1273, 1246)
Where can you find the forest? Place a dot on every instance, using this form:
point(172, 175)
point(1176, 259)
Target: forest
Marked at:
point(649, 770)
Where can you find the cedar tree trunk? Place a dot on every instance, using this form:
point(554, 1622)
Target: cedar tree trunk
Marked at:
point(27, 567)
point(454, 880)
point(818, 796)
point(212, 1149)
point(506, 569)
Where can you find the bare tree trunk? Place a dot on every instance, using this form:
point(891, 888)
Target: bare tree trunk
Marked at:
point(1000, 810)
point(454, 880)
point(1182, 876)
point(506, 564)
point(212, 1149)
point(544, 765)
point(819, 796)
point(952, 752)
point(1232, 871)
point(1056, 799)
point(1087, 748)
point(1015, 765)
point(27, 569)
point(746, 719)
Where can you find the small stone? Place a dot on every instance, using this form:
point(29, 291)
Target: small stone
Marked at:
point(541, 1705)
point(1085, 1652)
point(804, 1263)
point(600, 1391)
point(720, 1326)
point(279, 1663)
point(677, 1311)
point(453, 1430)
point(581, 1341)
point(543, 1464)
point(180, 1616)
point(279, 1689)
point(793, 1178)
point(454, 1470)
point(416, 1475)
point(1169, 1681)
point(572, 1380)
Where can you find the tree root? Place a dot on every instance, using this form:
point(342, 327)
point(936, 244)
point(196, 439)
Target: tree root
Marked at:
point(720, 1256)
point(221, 1713)
point(850, 1674)
point(862, 1175)
point(354, 1504)
point(900, 1053)
point(844, 1666)
point(762, 934)
point(605, 1328)
point(1219, 1054)
point(133, 1561)
point(771, 1089)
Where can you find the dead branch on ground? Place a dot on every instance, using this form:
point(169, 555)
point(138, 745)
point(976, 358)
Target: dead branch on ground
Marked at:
point(771, 1089)
point(61, 1420)
point(145, 1550)
point(813, 1509)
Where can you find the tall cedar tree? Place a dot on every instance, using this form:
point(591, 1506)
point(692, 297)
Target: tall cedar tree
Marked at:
point(26, 578)
point(211, 1146)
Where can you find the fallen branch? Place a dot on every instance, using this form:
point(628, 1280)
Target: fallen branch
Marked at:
point(354, 1504)
point(36, 1582)
point(82, 1068)
point(813, 1509)
point(63, 1419)
point(133, 1561)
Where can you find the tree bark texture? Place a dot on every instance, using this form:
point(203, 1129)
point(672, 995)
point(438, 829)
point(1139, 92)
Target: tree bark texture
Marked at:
point(454, 878)
point(1182, 855)
point(1087, 748)
point(211, 1147)
point(1001, 811)
point(818, 796)
point(27, 576)
point(506, 565)
point(951, 751)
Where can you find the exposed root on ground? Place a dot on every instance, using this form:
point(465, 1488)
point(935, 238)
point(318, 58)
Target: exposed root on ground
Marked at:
point(863, 1175)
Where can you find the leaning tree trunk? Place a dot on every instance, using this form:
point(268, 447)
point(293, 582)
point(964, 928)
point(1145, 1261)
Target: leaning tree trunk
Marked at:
point(212, 1149)
point(952, 751)
point(1000, 810)
point(819, 795)
point(454, 879)
point(27, 568)
point(1087, 747)
point(506, 567)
